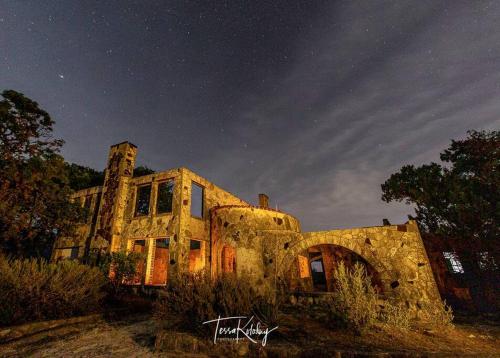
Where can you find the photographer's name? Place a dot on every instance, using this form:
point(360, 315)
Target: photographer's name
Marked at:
point(244, 328)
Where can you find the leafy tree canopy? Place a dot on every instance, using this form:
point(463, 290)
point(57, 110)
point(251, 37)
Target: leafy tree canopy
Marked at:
point(34, 185)
point(459, 198)
point(142, 170)
point(81, 177)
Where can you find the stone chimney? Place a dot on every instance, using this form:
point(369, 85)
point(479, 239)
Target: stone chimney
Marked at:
point(263, 201)
point(119, 171)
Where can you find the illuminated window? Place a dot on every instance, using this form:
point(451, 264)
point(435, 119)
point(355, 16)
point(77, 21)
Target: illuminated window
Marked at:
point(139, 246)
point(142, 200)
point(165, 197)
point(197, 200)
point(160, 264)
point(453, 263)
point(196, 256)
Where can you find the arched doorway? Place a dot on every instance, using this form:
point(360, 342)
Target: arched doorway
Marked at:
point(314, 268)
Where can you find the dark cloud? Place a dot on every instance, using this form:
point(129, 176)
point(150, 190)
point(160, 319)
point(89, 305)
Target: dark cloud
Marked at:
point(315, 105)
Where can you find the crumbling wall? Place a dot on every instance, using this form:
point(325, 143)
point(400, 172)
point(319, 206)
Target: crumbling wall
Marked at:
point(193, 228)
point(257, 235)
point(84, 231)
point(395, 252)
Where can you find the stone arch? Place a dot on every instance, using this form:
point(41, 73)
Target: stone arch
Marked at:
point(358, 242)
point(395, 252)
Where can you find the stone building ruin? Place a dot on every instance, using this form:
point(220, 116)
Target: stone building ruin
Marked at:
point(182, 223)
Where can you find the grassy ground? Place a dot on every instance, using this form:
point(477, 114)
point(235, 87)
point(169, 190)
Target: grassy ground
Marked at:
point(134, 336)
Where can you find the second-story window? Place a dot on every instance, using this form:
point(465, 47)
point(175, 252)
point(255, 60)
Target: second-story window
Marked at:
point(142, 200)
point(196, 200)
point(165, 197)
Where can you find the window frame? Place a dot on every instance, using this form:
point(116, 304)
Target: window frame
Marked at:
point(193, 183)
point(160, 182)
point(137, 189)
point(453, 263)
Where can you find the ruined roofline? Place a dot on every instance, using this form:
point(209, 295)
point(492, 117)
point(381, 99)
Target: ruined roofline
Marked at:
point(249, 206)
point(155, 174)
point(215, 185)
point(394, 227)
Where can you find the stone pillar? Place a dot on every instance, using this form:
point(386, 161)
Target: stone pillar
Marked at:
point(119, 171)
point(263, 201)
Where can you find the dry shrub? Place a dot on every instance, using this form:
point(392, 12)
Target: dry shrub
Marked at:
point(33, 289)
point(354, 300)
point(396, 314)
point(437, 314)
point(267, 307)
point(189, 300)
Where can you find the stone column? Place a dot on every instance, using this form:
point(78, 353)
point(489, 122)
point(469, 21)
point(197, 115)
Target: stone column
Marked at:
point(119, 171)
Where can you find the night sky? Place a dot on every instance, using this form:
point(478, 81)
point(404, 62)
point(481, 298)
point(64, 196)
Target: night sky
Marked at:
point(315, 103)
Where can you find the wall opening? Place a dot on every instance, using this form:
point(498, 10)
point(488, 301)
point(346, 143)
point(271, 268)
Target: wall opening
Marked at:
point(196, 255)
point(228, 259)
point(196, 200)
point(317, 270)
point(160, 262)
point(165, 195)
point(67, 253)
point(142, 200)
point(315, 266)
point(139, 246)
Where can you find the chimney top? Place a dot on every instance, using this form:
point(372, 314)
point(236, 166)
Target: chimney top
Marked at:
point(125, 142)
point(263, 201)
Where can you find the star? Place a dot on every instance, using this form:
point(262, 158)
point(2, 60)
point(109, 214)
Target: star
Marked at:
point(61, 76)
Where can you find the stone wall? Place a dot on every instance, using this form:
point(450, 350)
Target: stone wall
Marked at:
point(395, 252)
point(84, 231)
point(194, 228)
point(257, 235)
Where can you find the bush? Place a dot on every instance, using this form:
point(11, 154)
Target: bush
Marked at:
point(190, 300)
point(267, 308)
point(354, 300)
point(123, 269)
point(437, 314)
point(396, 314)
point(120, 267)
point(33, 289)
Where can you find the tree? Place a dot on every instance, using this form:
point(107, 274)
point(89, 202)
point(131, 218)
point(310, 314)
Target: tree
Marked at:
point(81, 177)
point(142, 170)
point(457, 200)
point(34, 190)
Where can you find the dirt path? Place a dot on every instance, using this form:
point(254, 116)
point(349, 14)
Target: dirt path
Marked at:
point(133, 337)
